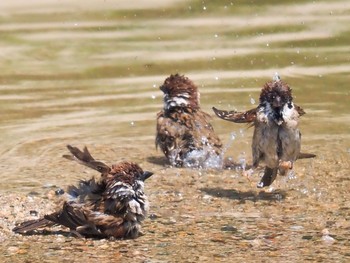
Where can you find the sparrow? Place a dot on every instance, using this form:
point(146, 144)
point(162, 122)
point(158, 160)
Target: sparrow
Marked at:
point(112, 206)
point(184, 132)
point(276, 138)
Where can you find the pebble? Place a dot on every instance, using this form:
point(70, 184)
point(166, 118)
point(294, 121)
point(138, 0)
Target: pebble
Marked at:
point(12, 249)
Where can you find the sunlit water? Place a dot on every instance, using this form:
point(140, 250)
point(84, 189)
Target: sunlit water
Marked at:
point(88, 74)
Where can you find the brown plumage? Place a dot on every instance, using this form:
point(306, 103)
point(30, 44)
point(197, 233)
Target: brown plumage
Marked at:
point(112, 206)
point(276, 139)
point(184, 132)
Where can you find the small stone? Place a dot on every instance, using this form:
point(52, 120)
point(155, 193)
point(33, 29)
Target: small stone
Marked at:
point(12, 249)
point(33, 213)
point(104, 246)
point(229, 229)
point(307, 237)
point(153, 216)
point(59, 191)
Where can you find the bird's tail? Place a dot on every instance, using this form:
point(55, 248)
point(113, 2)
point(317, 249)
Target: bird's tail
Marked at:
point(31, 225)
point(306, 155)
point(84, 157)
point(268, 178)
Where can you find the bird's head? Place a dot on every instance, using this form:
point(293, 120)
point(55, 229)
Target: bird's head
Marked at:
point(129, 173)
point(180, 92)
point(276, 94)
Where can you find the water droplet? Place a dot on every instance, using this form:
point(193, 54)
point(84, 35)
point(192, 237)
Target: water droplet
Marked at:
point(132, 123)
point(276, 77)
point(153, 96)
point(252, 101)
point(204, 8)
point(267, 44)
point(241, 132)
point(216, 78)
point(216, 35)
point(154, 85)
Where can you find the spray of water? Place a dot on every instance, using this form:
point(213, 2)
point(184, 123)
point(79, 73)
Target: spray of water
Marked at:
point(205, 158)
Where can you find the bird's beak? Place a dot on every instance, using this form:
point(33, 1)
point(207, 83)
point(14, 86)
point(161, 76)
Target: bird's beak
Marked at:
point(277, 102)
point(146, 175)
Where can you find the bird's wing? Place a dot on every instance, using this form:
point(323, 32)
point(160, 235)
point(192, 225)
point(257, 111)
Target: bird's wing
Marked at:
point(170, 134)
point(88, 222)
point(300, 110)
point(306, 155)
point(71, 215)
point(84, 157)
point(204, 134)
point(237, 117)
point(31, 225)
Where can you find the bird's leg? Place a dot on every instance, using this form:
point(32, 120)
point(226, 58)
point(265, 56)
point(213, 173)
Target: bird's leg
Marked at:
point(285, 165)
point(247, 174)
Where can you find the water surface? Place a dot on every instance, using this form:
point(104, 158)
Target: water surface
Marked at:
point(88, 74)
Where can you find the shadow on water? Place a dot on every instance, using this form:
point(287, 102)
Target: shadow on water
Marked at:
point(245, 195)
point(46, 232)
point(158, 160)
point(67, 234)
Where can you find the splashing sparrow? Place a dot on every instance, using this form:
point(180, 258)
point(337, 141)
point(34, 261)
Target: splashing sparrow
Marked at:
point(184, 132)
point(112, 206)
point(276, 139)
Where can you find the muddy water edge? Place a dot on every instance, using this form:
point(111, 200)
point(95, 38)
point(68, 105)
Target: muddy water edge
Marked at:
point(88, 74)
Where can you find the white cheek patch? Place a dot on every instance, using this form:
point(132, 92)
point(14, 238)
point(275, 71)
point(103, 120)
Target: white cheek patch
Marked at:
point(176, 102)
point(264, 113)
point(287, 112)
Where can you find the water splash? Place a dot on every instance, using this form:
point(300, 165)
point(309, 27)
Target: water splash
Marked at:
point(242, 161)
point(252, 100)
point(205, 158)
point(276, 77)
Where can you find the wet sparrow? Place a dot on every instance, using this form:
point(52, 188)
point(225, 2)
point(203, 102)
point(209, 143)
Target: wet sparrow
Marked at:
point(112, 206)
point(184, 133)
point(276, 139)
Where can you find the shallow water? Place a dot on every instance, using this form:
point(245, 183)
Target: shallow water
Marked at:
point(88, 74)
